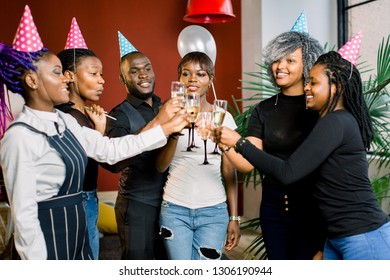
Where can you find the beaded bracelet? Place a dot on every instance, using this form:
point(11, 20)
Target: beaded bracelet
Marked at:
point(239, 143)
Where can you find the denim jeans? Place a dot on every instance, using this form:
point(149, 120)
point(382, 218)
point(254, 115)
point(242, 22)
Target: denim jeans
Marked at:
point(372, 245)
point(92, 210)
point(193, 234)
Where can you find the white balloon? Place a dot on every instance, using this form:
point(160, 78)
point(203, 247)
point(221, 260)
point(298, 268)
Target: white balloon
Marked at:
point(196, 38)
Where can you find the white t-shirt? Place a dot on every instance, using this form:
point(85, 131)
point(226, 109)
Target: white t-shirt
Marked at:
point(191, 184)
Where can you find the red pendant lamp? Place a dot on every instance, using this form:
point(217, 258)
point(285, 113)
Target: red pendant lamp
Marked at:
point(209, 11)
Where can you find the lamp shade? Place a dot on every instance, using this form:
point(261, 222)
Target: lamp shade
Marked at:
point(209, 11)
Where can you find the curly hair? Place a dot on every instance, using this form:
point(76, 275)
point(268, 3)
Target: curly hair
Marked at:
point(288, 42)
point(348, 83)
point(71, 58)
point(13, 66)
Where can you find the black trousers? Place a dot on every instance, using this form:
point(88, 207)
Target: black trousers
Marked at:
point(138, 230)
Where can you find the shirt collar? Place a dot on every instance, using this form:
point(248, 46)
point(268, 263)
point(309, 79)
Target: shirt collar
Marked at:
point(136, 102)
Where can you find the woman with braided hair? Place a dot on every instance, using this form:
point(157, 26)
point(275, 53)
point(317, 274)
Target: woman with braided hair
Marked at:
point(336, 152)
point(44, 151)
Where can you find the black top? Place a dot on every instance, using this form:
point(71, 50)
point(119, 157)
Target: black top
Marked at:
point(282, 126)
point(91, 173)
point(335, 151)
point(140, 179)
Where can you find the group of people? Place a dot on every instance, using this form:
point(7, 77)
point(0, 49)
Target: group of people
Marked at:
point(50, 155)
point(309, 142)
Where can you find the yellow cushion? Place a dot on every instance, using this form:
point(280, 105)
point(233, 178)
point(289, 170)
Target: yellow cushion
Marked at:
point(106, 220)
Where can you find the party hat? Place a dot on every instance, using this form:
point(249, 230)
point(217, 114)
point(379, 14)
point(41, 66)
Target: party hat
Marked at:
point(27, 38)
point(350, 51)
point(125, 46)
point(300, 24)
point(75, 39)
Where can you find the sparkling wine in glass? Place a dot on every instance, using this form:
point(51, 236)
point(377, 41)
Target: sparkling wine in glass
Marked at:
point(219, 112)
point(177, 90)
point(204, 125)
point(192, 107)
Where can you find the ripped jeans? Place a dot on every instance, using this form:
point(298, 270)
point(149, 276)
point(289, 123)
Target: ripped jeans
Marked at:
point(193, 234)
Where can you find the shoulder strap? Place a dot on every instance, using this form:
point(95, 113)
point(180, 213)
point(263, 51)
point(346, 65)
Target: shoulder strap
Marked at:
point(28, 126)
point(136, 121)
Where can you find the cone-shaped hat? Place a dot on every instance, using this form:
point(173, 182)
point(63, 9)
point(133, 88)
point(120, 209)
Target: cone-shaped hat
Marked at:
point(125, 46)
point(75, 39)
point(300, 24)
point(350, 51)
point(27, 38)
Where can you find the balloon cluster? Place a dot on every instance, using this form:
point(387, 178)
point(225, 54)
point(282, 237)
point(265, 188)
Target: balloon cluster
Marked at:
point(196, 38)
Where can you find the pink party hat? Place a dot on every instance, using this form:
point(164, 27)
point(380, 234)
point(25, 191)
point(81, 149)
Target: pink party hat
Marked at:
point(27, 38)
point(350, 51)
point(300, 24)
point(75, 39)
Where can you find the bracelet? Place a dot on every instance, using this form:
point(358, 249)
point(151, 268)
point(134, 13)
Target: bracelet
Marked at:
point(239, 143)
point(235, 218)
point(225, 150)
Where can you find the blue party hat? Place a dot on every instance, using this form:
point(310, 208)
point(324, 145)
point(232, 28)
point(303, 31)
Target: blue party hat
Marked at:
point(125, 46)
point(300, 25)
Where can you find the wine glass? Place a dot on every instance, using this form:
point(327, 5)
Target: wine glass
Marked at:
point(192, 107)
point(219, 111)
point(204, 122)
point(177, 90)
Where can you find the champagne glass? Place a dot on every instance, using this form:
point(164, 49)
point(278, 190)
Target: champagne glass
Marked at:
point(177, 90)
point(192, 107)
point(204, 123)
point(219, 111)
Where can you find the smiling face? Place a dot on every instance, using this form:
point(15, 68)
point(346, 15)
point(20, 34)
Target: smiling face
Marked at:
point(88, 80)
point(48, 86)
point(195, 78)
point(138, 76)
point(318, 92)
point(288, 73)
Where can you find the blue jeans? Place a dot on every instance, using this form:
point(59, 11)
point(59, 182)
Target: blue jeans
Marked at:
point(193, 234)
point(372, 245)
point(92, 210)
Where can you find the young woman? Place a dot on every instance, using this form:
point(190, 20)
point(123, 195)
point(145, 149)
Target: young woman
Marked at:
point(44, 153)
point(336, 151)
point(289, 216)
point(194, 214)
point(85, 73)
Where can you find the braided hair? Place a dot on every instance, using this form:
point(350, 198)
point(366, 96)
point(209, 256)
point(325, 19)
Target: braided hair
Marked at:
point(348, 83)
point(288, 42)
point(71, 58)
point(13, 66)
